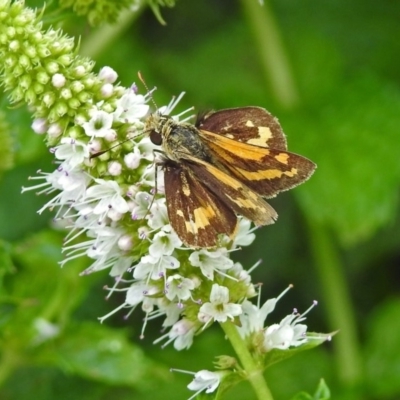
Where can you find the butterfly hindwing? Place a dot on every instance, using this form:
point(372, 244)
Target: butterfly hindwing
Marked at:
point(195, 213)
point(267, 171)
point(251, 125)
point(233, 193)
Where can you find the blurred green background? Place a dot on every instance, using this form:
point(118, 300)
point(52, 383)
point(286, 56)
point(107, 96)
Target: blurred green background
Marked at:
point(330, 72)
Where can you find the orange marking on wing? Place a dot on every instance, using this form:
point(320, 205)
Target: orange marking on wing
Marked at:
point(242, 150)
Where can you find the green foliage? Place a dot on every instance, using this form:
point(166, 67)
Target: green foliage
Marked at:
point(322, 393)
point(351, 139)
point(155, 6)
point(96, 352)
point(227, 383)
point(382, 351)
point(6, 150)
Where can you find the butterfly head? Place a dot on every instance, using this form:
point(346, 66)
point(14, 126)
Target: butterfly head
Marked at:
point(158, 127)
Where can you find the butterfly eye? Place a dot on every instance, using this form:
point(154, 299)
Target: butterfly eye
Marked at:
point(156, 138)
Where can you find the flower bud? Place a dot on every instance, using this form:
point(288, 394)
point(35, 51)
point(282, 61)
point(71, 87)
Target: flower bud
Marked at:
point(76, 86)
point(74, 104)
point(14, 46)
point(52, 67)
point(58, 80)
point(48, 99)
point(65, 93)
point(24, 62)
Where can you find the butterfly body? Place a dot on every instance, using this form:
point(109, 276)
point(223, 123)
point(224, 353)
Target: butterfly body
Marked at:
point(221, 167)
point(177, 139)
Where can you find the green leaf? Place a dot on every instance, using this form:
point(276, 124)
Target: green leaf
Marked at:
point(322, 393)
point(228, 382)
point(39, 288)
point(352, 139)
point(382, 351)
point(96, 352)
point(50, 383)
point(302, 396)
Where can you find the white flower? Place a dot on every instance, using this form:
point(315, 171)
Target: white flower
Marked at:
point(130, 107)
point(245, 235)
point(210, 261)
point(166, 110)
point(103, 248)
point(121, 265)
point(141, 292)
point(288, 333)
point(219, 307)
point(99, 125)
point(146, 148)
point(154, 267)
point(253, 317)
point(172, 312)
point(141, 204)
point(74, 152)
point(180, 287)
point(164, 244)
point(206, 381)
point(83, 220)
point(71, 182)
point(108, 195)
point(181, 333)
point(244, 276)
point(285, 334)
point(158, 216)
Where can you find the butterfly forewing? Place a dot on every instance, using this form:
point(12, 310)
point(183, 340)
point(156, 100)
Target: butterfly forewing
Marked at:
point(252, 125)
point(267, 171)
point(195, 213)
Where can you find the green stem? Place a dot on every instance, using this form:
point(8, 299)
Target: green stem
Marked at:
point(8, 362)
point(102, 37)
point(254, 373)
point(338, 303)
point(272, 52)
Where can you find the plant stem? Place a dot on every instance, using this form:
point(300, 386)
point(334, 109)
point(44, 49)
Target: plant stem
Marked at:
point(338, 304)
point(102, 37)
point(8, 362)
point(272, 52)
point(254, 373)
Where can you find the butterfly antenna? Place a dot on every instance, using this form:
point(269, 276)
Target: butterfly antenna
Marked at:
point(149, 92)
point(130, 138)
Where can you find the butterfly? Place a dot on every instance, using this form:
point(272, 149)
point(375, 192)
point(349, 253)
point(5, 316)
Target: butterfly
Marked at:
point(221, 167)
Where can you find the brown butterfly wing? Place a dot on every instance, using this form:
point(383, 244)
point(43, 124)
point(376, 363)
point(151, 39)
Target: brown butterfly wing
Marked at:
point(234, 194)
point(196, 214)
point(251, 125)
point(267, 171)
